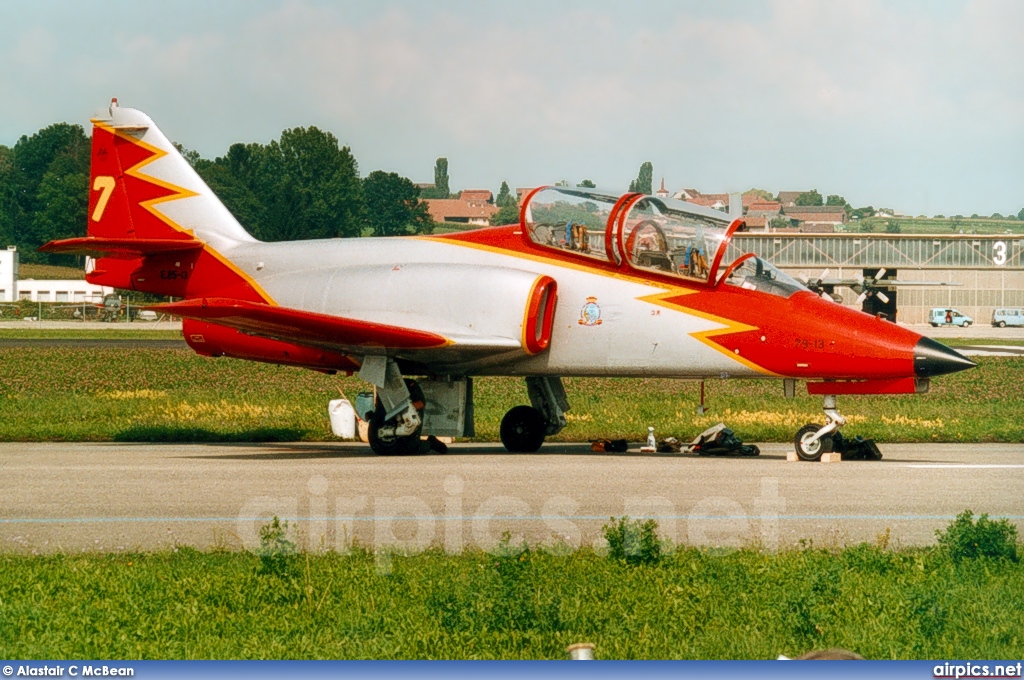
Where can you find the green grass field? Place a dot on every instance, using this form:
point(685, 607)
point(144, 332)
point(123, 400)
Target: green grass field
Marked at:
point(115, 332)
point(909, 604)
point(140, 394)
point(27, 270)
point(930, 225)
point(963, 342)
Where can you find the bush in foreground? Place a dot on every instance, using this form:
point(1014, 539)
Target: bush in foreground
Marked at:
point(969, 539)
point(632, 541)
point(276, 551)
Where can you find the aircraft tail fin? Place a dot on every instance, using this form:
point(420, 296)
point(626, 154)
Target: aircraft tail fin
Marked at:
point(153, 223)
point(142, 187)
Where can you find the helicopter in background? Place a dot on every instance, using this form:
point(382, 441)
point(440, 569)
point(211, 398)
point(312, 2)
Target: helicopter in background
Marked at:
point(866, 287)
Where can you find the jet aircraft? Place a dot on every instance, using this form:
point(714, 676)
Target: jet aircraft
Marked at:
point(588, 283)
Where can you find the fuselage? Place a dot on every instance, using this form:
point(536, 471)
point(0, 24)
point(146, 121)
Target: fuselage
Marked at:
point(606, 322)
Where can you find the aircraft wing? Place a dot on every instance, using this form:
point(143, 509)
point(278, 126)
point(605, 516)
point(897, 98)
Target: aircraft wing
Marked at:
point(313, 329)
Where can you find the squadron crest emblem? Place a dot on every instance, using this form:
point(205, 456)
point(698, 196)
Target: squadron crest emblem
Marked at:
point(590, 314)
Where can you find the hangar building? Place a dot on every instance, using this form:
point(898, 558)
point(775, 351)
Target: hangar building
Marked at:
point(990, 268)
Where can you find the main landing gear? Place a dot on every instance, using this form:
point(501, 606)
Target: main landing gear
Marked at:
point(398, 435)
point(397, 419)
point(524, 428)
point(812, 439)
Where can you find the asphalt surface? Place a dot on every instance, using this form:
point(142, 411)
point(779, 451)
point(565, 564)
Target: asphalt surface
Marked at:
point(115, 497)
point(975, 331)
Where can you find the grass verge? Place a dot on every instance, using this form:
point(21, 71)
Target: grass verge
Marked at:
point(141, 394)
point(963, 342)
point(883, 604)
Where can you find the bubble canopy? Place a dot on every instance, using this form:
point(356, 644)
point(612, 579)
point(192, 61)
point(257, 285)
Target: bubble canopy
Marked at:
point(672, 236)
point(574, 220)
point(642, 232)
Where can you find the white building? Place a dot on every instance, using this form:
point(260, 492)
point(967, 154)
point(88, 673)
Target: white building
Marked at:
point(43, 290)
point(9, 274)
point(61, 290)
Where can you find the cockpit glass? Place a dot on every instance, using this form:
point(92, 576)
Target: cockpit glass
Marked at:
point(761, 275)
point(568, 219)
point(673, 237)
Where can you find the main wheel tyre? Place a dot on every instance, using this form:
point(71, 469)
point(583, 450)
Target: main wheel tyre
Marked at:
point(934, 325)
point(409, 445)
point(966, 324)
point(811, 450)
point(523, 429)
point(1002, 324)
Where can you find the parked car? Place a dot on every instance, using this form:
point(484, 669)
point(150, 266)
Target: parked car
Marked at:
point(944, 316)
point(1008, 317)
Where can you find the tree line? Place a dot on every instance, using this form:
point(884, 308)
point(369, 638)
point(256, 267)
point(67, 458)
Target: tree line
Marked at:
point(304, 185)
point(44, 189)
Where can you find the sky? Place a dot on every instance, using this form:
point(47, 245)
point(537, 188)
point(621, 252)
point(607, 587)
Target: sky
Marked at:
point(915, 105)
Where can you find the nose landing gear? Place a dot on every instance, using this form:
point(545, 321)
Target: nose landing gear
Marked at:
point(812, 440)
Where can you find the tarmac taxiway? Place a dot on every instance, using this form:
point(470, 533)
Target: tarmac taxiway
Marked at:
point(117, 497)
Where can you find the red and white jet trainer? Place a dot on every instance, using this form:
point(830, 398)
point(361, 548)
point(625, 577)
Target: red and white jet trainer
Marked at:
point(588, 284)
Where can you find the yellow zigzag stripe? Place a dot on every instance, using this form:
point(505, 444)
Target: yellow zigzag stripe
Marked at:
point(176, 193)
point(659, 299)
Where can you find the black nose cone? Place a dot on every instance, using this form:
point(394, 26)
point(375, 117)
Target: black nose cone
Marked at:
point(934, 358)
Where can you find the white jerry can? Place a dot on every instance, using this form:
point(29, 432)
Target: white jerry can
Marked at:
point(343, 418)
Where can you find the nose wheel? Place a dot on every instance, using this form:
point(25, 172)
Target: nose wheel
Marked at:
point(813, 440)
point(810, 444)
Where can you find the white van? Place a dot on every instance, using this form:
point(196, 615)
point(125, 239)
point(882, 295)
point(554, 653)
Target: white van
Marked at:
point(1010, 316)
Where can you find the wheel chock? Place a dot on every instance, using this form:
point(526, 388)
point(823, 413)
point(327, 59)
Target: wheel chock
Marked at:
point(832, 457)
